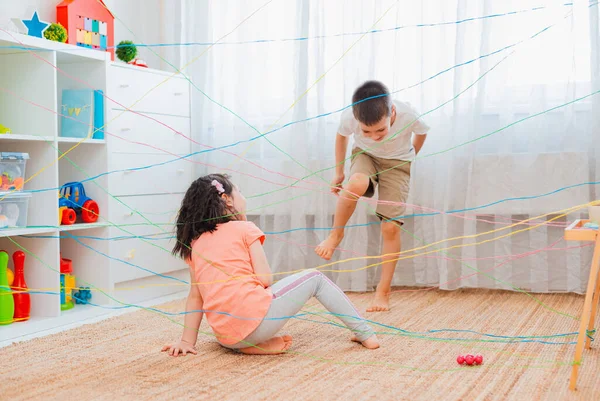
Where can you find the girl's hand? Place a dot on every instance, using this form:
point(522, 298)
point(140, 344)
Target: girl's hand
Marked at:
point(179, 347)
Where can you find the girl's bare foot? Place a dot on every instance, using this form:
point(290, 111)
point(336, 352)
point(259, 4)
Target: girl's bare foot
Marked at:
point(326, 247)
point(370, 343)
point(276, 345)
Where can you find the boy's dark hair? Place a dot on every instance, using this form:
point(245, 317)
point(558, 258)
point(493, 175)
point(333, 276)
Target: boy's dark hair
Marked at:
point(371, 111)
point(202, 208)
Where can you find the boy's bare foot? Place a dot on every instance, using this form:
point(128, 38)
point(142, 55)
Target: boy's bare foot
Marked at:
point(381, 302)
point(276, 345)
point(326, 248)
point(370, 343)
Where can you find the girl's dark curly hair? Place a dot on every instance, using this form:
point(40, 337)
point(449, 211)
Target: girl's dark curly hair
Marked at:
point(202, 208)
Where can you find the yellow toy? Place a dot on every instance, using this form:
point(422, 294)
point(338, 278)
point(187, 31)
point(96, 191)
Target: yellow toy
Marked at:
point(4, 130)
point(11, 277)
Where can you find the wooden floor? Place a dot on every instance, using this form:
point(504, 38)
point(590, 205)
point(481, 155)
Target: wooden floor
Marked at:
point(119, 358)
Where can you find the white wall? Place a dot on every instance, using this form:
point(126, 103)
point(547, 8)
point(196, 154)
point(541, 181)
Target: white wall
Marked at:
point(142, 17)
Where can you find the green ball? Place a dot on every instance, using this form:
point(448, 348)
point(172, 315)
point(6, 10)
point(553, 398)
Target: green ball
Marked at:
point(126, 51)
point(56, 32)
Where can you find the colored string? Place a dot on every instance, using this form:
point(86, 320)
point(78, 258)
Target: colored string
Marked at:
point(181, 324)
point(509, 258)
point(155, 236)
point(119, 199)
point(436, 108)
point(390, 138)
point(546, 28)
point(315, 37)
point(95, 177)
point(321, 267)
point(322, 115)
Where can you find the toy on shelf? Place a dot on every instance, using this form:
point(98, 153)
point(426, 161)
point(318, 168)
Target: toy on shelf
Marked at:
point(89, 24)
point(73, 201)
point(35, 27)
point(7, 303)
point(83, 296)
point(139, 63)
point(13, 209)
point(11, 277)
point(12, 170)
point(126, 51)
point(20, 291)
point(56, 32)
point(4, 130)
point(67, 283)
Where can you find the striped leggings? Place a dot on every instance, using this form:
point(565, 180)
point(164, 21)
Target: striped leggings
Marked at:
point(292, 293)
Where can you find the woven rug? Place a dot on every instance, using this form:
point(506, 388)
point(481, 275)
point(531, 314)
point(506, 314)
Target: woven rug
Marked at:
point(120, 359)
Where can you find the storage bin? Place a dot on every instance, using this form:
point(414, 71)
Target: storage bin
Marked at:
point(12, 170)
point(13, 209)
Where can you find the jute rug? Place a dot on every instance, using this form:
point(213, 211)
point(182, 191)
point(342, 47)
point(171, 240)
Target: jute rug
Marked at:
point(120, 358)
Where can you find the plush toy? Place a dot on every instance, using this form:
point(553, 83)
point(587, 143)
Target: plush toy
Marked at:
point(56, 32)
point(126, 51)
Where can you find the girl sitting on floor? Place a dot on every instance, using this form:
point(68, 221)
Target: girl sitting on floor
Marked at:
point(231, 280)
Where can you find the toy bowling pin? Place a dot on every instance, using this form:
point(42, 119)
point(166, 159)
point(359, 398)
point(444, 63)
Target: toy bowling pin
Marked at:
point(7, 304)
point(21, 298)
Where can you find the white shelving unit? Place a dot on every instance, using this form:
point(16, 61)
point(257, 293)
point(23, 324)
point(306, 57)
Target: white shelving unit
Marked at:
point(31, 84)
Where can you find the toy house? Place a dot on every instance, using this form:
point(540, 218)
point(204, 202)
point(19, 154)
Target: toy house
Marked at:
point(89, 24)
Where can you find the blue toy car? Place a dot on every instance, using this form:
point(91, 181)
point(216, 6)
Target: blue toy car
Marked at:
point(73, 201)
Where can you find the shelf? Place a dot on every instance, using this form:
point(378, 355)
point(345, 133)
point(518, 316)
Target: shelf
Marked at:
point(83, 226)
point(77, 140)
point(34, 72)
point(39, 324)
point(166, 74)
point(14, 232)
point(14, 43)
point(576, 232)
point(9, 138)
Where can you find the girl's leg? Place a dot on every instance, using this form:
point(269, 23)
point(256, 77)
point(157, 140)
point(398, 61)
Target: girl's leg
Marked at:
point(292, 293)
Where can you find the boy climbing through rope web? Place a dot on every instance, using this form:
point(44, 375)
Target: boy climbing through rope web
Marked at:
point(387, 136)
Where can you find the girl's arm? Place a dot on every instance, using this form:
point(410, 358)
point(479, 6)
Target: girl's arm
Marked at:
point(260, 264)
point(192, 322)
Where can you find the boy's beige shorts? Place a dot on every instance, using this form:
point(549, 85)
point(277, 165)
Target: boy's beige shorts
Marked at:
point(392, 177)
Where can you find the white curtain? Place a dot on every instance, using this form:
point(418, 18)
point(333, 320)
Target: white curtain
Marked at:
point(434, 58)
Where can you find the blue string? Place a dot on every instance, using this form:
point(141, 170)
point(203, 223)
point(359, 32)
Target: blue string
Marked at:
point(408, 216)
point(502, 339)
point(305, 38)
point(125, 262)
point(233, 144)
point(306, 119)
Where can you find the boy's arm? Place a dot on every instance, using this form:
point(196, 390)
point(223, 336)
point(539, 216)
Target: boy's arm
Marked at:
point(418, 141)
point(260, 264)
point(341, 145)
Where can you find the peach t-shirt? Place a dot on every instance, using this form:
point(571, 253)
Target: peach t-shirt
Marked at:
point(243, 302)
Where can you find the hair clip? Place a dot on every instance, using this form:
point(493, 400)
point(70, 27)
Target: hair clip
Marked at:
point(218, 185)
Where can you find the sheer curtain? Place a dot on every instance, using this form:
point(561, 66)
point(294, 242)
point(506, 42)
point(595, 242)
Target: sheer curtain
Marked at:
point(538, 59)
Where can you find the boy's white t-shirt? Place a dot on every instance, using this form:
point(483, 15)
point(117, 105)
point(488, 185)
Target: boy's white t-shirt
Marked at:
point(399, 147)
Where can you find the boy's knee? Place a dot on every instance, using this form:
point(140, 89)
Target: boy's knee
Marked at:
point(390, 230)
point(358, 184)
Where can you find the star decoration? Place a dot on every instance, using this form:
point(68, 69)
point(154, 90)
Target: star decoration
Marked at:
point(35, 27)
